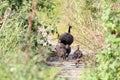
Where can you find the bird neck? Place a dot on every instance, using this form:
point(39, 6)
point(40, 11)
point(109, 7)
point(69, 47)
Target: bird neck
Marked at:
point(69, 29)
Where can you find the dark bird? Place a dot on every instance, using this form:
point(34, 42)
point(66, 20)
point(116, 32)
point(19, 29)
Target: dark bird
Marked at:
point(77, 56)
point(66, 38)
point(61, 51)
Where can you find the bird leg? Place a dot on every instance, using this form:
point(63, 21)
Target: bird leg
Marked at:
point(61, 61)
point(77, 62)
point(66, 56)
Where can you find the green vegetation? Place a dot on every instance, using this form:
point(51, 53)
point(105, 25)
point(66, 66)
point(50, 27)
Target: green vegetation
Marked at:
point(109, 58)
point(96, 28)
point(20, 55)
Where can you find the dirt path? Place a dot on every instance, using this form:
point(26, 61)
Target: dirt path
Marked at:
point(69, 70)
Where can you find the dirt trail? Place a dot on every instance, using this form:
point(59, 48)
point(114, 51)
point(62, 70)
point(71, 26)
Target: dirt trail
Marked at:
point(69, 70)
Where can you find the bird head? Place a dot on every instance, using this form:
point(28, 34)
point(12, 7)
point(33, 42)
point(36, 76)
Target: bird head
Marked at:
point(69, 26)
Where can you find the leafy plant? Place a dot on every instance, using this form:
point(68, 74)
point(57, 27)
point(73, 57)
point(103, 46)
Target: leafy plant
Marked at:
point(14, 37)
point(109, 58)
